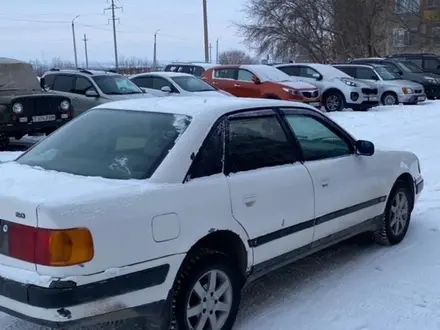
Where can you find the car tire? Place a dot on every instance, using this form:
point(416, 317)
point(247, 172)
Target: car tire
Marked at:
point(192, 292)
point(333, 101)
point(389, 98)
point(397, 216)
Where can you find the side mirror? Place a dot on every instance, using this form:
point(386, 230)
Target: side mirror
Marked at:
point(42, 83)
point(166, 89)
point(374, 77)
point(317, 76)
point(256, 80)
point(364, 148)
point(92, 93)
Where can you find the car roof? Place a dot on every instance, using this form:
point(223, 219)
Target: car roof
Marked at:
point(168, 74)
point(82, 72)
point(366, 65)
point(203, 65)
point(209, 108)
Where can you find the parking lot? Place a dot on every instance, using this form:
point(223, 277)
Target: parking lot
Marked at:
point(356, 286)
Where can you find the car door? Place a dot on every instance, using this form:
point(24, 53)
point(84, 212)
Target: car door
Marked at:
point(80, 101)
point(245, 86)
point(225, 79)
point(347, 190)
point(311, 76)
point(366, 74)
point(271, 192)
point(160, 82)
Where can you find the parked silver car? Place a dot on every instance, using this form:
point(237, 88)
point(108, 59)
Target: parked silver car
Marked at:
point(175, 84)
point(89, 88)
point(338, 89)
point(392, 88)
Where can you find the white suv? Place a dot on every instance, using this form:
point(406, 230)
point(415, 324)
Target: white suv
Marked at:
point(166, 207)
point(338, 89)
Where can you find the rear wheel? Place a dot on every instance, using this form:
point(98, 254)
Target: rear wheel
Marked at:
point(207, 293)
point(397, 216)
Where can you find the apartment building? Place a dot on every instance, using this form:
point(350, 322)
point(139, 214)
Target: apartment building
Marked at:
point(415, 27)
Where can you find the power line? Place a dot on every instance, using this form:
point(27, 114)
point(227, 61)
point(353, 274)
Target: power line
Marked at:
point(113, 7)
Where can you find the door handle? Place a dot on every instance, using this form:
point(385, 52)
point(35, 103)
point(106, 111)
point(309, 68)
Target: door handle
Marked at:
point(249, 201)
point(324, 183)
point(237, 85)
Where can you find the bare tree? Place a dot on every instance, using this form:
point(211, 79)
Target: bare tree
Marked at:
point(235, 57)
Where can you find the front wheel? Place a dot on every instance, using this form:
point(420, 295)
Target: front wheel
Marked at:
point(334, 101)
point(207, 293)
point(396, 218)
point(390, 99)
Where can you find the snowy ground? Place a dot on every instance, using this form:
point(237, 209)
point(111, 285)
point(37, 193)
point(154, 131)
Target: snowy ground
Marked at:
point(355, 286)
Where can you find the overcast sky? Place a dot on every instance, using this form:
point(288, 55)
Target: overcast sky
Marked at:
point(41, 29)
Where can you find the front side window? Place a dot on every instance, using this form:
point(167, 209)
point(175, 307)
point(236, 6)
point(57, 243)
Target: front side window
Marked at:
point(82, 85)
point(245, 75)
point(316, 139)
point(116, 85)
point(114, 144)
point(387, 73)
point(192, 84)
point(290, 70)
point(145, 82)
point(365, 73)
point(256, 142)
point(432, 64)
point(308, 72)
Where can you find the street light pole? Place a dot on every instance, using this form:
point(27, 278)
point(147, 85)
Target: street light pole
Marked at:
point(155, 50)
point(74, 40)
point(205, 30)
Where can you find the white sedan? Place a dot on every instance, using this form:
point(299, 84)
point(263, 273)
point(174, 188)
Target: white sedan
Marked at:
point(167, 207)
point(175, 84)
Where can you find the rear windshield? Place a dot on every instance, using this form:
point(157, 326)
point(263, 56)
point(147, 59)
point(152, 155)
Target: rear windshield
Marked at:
point(114, 144)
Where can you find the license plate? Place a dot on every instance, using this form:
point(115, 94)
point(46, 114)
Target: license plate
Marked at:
point(38, 119)
point(421, 98)
point(373, 98)
point(314, 104)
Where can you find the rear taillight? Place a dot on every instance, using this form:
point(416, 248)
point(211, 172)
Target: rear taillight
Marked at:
point(49, 247)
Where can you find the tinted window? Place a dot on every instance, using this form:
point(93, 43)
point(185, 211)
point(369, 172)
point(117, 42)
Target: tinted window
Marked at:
point(186, 69)
point(82, 85)
point(172, 68)
point(316, 139)
point(209, 160)
point(48, 80)
point(431, 64)
point(416, 61)
point(256, 142)
point(114, 144)
point(193, 84)
point(116, 85)
point(198, 71)
point(365, 73)
point(351, 71)
point(159, 83)
point(63, 83)
point(225, 73)
point(245, 75)
point(145, 82)
point(290, 70)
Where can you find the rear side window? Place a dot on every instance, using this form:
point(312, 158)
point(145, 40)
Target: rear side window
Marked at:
point(48, 80)
point(290, 70)
point(63, 83)
point(198, 71)
point(225, 74)
point(431, 64)
point(189, 69)
point(257, 142)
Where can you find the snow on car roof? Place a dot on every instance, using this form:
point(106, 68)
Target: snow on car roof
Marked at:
point(209, 108)
point(163, 74)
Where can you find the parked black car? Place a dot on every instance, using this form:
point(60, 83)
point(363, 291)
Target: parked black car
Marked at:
point(427, 61)
point(408, 71)
point(24, 107)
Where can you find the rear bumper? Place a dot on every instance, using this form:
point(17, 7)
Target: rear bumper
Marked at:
point(145, 293)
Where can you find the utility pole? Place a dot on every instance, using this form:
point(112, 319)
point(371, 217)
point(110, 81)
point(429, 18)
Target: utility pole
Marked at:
point(205, 30)
point(85, 50)
point(155, 50)
point(113, 7)
point(210, 53)
point(74, 41)
point(216, 52)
